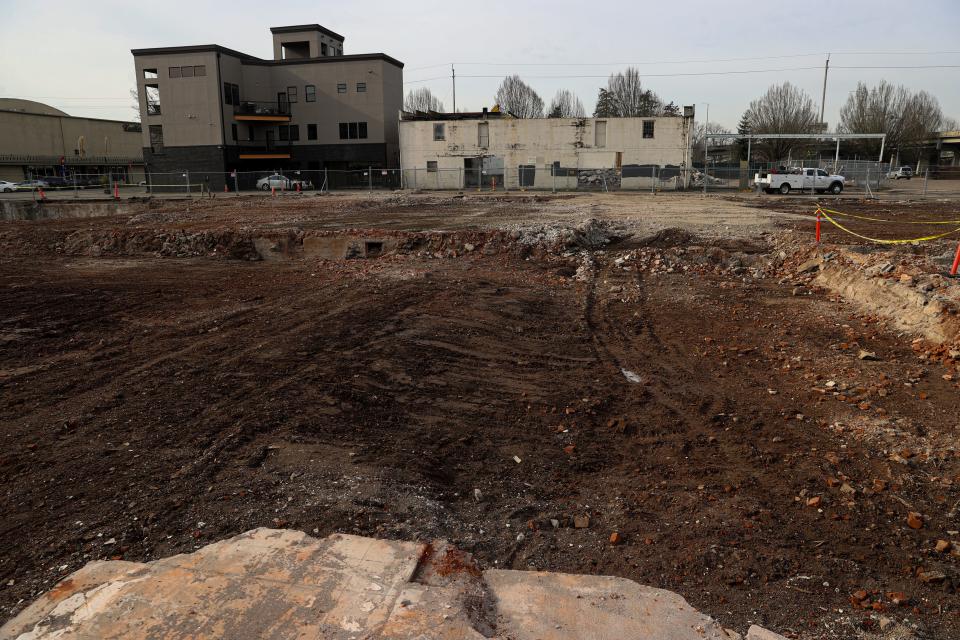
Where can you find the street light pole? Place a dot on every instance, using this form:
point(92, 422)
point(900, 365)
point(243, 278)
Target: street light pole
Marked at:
point(706, 123)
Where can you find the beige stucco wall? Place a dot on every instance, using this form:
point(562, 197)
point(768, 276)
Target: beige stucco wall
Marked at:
point(541, 142)
point(190, 108)
point(27, 134)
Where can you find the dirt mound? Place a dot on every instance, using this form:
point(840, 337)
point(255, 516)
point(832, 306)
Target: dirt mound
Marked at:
point(672, 237)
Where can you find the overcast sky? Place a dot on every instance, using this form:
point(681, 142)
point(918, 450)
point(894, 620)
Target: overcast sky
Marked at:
point(76, 55)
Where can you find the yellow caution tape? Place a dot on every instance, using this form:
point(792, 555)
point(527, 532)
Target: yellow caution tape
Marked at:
point(880, 240)
point(850, 215)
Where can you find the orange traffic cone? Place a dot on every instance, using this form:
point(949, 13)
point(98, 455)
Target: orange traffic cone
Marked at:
point(298, 187)
point(116, 190)
point(273, 191)
point(43, 196)
point(225, 190)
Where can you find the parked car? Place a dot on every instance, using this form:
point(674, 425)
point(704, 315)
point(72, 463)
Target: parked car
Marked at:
point(7, 187)
point(31, 185)
point(58, 182)
point(801, 179)
point(900, 172)
point(277, 181)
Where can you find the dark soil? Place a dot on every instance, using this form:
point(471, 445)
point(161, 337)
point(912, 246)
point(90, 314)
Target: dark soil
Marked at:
point(150, 406)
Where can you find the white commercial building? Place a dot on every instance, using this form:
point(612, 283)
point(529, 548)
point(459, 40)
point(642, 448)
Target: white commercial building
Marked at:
point(464, 150)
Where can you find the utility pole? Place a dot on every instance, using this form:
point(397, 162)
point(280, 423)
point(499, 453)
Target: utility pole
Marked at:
point(453, 76)
point(823, 100)
point(706, 152)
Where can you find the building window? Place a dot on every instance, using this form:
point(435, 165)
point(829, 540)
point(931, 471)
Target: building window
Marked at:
point(341, 87)
point(483, 134)
point(200, 70)
point(353, 130)
point(438, 131)
point(156, 138)
point(310, 93)
point(311, 132)
point(600, 134)
point(648, 128)
point(174, 72)
point(186, 72)
point(233, 132)
point(431, 166)
point(284, 132)
point(291, 94)
point(250, 134)
point(150, 74)
point(235, 92)
point(227, 93)
point(361, 87)
point(152, 92)
point(323, 48)
point(294, 133)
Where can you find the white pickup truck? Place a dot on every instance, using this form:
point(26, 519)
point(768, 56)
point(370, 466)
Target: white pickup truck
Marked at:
point(805, 179)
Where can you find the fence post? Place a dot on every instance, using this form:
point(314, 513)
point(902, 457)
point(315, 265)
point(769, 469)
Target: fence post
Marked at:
point(186, 174)
point(326, 184)
point(653, 179)
point(76, 191)
point(370, 178)
point(926, 176)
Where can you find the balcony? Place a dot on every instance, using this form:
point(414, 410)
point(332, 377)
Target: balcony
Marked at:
point(254, 111)
point(261, 150)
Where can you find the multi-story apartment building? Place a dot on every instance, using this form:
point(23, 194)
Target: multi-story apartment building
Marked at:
point(211, 110)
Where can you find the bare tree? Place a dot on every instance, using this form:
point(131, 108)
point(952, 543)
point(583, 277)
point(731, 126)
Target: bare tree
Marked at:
point(566, 105)
point(422, 99)
point(135, 97)
point(906, 118)
point(783, 109)
point(627, 97)
point(949, 124)
point(517, 97)
point(699, 131)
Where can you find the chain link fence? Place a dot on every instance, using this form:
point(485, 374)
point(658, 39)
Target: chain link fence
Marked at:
point(862, 178)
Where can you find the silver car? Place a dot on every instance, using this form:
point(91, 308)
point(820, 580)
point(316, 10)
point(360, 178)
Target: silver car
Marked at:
point(900, 172)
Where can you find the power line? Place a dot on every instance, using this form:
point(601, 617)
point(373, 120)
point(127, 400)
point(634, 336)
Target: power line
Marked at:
point(689, 60)
point(702, 73)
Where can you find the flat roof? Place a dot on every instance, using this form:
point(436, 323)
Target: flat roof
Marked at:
point(248, 59)
point(69, 117)
point(297, 28)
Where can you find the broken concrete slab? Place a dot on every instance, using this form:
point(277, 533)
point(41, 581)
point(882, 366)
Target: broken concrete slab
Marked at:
point(262, 584)
point(555, 605)
point(270, 583)
point(759, 633)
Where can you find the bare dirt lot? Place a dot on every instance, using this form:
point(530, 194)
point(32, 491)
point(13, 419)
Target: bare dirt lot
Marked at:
point(522, 393)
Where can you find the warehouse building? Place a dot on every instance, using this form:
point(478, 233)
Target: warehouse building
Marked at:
point(37, 140)
point(463, 150)
point(210, 110)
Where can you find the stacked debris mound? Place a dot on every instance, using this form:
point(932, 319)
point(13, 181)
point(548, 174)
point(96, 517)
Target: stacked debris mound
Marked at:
point(588, 234)
point(598, 178)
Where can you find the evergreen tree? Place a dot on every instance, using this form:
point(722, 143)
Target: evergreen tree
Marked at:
point(742, 144)
point(605, 107)
point(671, 109)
